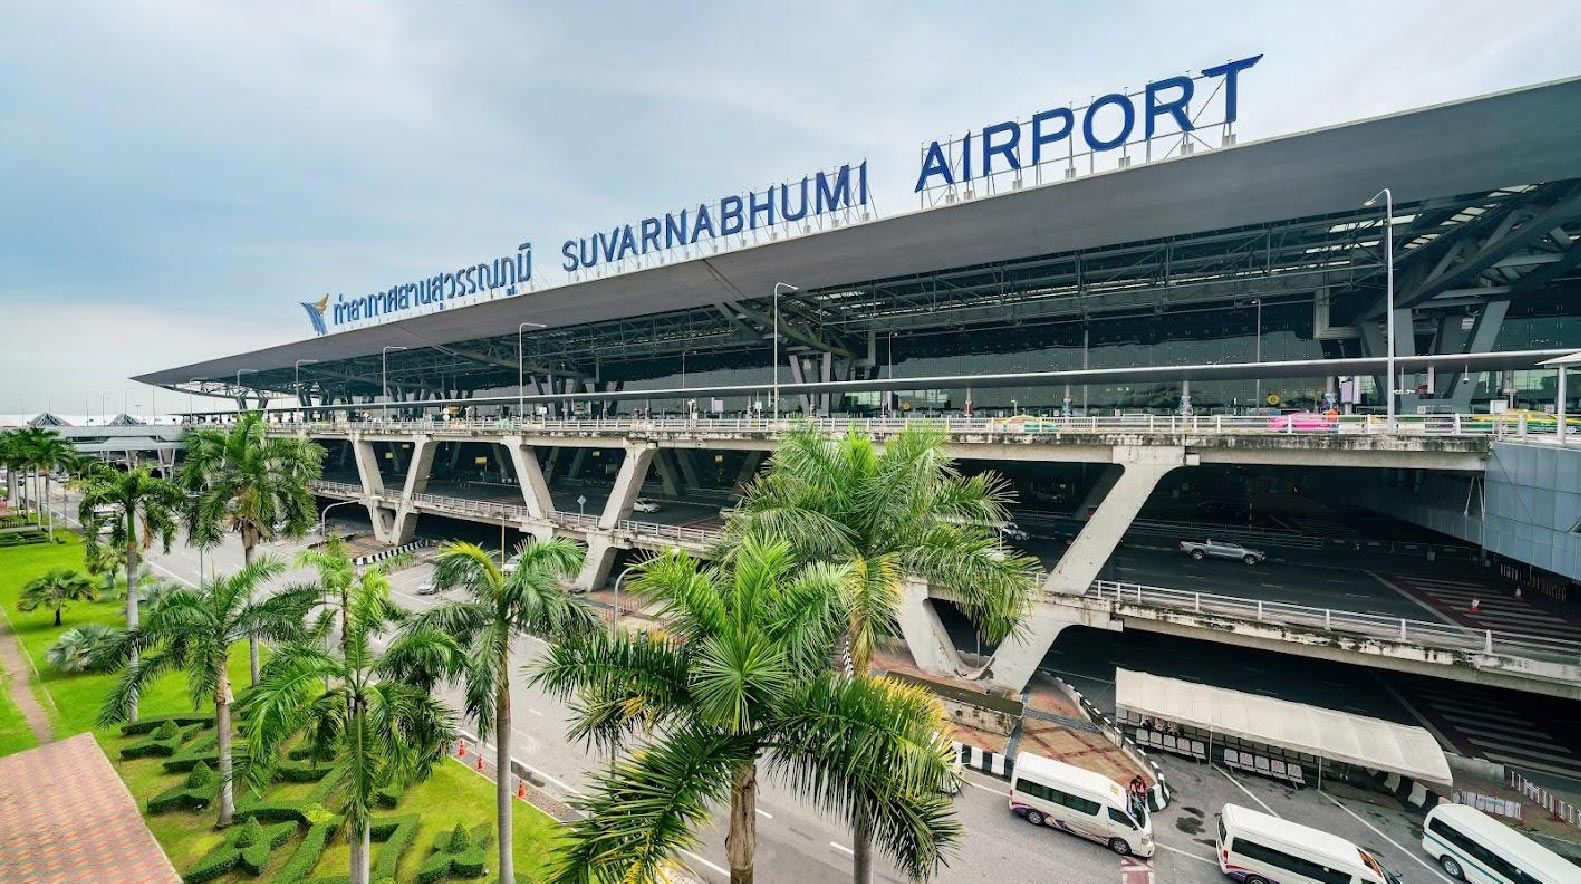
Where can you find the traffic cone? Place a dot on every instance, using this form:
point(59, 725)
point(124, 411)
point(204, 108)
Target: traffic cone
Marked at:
point(521, 790)
point(1517, 590)
point(1476, 605)
point(479, 765)
point(461, 749)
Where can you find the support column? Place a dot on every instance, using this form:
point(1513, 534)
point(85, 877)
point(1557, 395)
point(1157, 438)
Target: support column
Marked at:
point(683, 458)
point(417, 474)
point(372, 489)
point(669, 475)
point(535, 488)
point(925, 636)
point(1458, 388)
point(552, 465)
point(578, 460)
point(1018, 658)
point(749, 468)
point(628, 483)
point(596, 566)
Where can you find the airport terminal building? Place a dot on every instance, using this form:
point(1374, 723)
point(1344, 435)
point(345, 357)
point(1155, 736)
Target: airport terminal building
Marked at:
point(1243, 281)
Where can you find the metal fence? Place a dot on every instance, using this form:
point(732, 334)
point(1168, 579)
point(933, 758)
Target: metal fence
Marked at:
point(1422, 633)
point(1167, 424)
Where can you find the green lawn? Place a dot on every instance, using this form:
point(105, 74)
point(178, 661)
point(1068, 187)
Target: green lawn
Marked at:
point(453, 794)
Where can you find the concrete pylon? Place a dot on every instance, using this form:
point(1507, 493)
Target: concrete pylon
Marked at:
point(578, 460)
point(418, 470)
point(1018, 657)
point(601, 553)
point(669, 473)
point(535, 488)
point(628, 483)
point(924, 632)
point(688, 464)
point(749, 467)
point(373, 490)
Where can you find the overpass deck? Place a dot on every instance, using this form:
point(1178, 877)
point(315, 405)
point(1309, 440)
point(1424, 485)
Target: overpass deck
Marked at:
point(1444, 442)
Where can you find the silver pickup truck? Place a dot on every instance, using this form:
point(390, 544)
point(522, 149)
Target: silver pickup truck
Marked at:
point(1221, 549)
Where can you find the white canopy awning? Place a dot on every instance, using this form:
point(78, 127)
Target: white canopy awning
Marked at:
point(1339, 736)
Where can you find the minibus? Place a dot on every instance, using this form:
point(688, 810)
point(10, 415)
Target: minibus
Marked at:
point(1256, 848)
point(1473, 847)
point(1046, 792)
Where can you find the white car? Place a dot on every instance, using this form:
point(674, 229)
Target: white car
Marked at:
point(1222, 549)
point(645, 506)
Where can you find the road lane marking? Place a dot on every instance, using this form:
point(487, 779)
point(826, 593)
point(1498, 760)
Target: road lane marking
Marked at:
point(1135, 871)
point(842, 848)
point(720, 869)
point(1246, 790)
point(172, 573)
point(1185, 853)
point(1379, 832)
point(985, 788)
point(765, 814)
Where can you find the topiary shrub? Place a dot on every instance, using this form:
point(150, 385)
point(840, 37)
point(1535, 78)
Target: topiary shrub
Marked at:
point(199, 790)
point(458, 854)
point(247, 846)
point(307, 856)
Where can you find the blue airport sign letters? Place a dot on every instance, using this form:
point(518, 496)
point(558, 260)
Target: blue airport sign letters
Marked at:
point(728, 216)
point(510, 272)
point(1108, 122)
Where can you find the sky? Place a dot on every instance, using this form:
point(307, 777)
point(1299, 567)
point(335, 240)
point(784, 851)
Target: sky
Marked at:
point(176, 176)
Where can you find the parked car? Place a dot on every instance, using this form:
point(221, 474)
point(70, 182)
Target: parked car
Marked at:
point(1222, 549)
point(1012, 531)
point(427, 587)
point(645, 506)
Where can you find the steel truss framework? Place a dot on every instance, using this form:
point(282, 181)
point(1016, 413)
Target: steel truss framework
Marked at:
point(1452, 254)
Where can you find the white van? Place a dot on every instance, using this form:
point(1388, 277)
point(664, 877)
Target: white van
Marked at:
point(1045, 792)
point(1256, 848)
point(1474, 847)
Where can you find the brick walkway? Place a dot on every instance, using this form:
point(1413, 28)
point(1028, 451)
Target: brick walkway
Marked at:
point(66, 817)
point(18, 671)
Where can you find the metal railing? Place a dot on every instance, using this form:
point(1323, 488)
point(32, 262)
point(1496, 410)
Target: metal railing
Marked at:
point(1422, 633)
point(338, 488)
point(1445, 425)
point(669, 533)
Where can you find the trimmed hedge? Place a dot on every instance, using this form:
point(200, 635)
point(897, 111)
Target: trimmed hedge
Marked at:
point(199, 790)
point(164, 742)
point(397, 838)
point(458, 854)
point(147, 725)
point(247, 846)
point(307, 856)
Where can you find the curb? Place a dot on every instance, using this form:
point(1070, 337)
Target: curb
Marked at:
point(391, 553)
point(1159, 795)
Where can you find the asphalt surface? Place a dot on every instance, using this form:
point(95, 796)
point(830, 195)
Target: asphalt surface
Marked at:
point(797, 843)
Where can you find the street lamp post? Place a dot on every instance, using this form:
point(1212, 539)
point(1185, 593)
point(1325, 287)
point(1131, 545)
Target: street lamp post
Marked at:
point(778, 286)
point(323, 515)
point(614, 616)
point(521, 371)
point(384, 379)
point(1388, 264)
point(298, 384)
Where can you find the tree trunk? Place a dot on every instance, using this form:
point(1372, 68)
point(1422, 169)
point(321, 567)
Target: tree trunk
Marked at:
point(50, 512)
point(252, 640)
point(502, 760)
point(57, 616)
point(13, 486)
point(862, 848)
point(222, 729)
point(742, 842)
point(131, 596)
point(359, 855)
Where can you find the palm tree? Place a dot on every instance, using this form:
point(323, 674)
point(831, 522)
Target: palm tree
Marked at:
point(12, 458)
point(192, 630)
point(45, 450)
point(116, 500)
point(245, 480)
point(531, 600)
point(905, 510)
point(743, 682)
point(385, 733)
point(54, 589)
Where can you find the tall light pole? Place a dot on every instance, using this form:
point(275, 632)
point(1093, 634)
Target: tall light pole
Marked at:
point(191, 409)
point(239, 373)
point(1388, 264)
point(778, 286)
point(298, 384)
point(1258, 303)
point(521, 371)
point(384, 379)
point(323, 514)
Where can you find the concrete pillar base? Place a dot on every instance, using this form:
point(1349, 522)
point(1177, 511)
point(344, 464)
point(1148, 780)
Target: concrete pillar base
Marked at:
point(924, 633)
point(596, 567)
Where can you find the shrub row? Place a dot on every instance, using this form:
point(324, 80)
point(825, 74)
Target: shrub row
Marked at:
point(149, 724)
point(397, 834)
point(306, 857)
point(195, 793)
point(164, 742)
point(247, 846)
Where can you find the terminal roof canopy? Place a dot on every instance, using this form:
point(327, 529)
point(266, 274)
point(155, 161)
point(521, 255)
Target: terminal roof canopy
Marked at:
point(1524, 139)
point(1353, 739)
